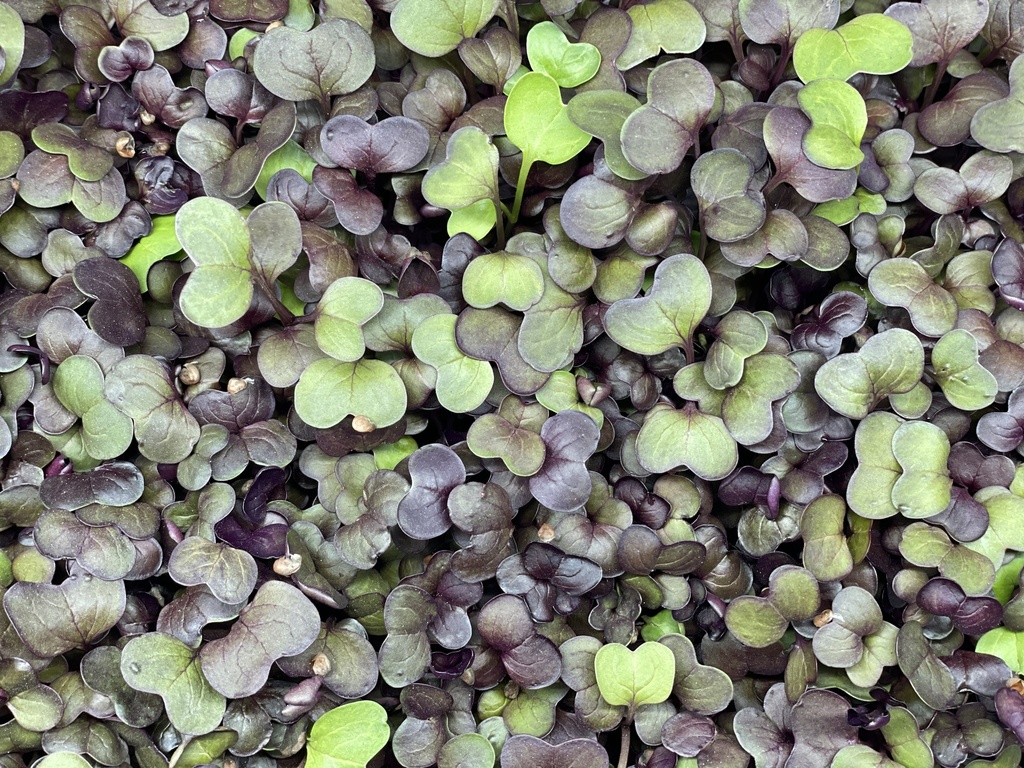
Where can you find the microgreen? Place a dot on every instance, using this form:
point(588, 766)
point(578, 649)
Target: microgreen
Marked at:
point(493, 383)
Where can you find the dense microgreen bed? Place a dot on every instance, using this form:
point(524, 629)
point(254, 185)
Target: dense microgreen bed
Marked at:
point(490, 383)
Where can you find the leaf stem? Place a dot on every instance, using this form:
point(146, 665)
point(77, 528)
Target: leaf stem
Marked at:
point(499, 223)
point(524, 171)
point(780, 68)
point(776, 179)
point(282, 311)
point(737, 48)
point(626, 732)
point(512, 17)
point(929, 95)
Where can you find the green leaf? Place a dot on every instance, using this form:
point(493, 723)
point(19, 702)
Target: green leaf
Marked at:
point(205, 749)
point(12, 42)
point(1006, 644)
point(434, 29)
point(869, 492)
point(468, 174)
point(329, 390)
point(215, 236)
point(738, 335)
point(538, 123)
point(631, 678)
point(755, 621)
point(463, 382)
point(602, 115)
point(666, 317)
point(729, 209)
point(62, 760)
point(390, 455)
point(890, 362)
point(140, 18)
point(142, 389)
point(672, 26)
point(688, 438)
point(467, 750)
point(1006, 579)
point(905, 283)
point(966, 383)
point(999, 125)
point(78, 384)
point(923, 490)
point(570, 64)
point(476, 219)
point(164, 665)
point(503, 278)
point(1005, 524)
point(289, 155)
point(161, 242)
point(347, 305)
point(348, 736)
point(861, 756)
point(838, 120)
point(871, 43)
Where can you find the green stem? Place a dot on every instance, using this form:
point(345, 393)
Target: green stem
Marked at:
point(626, 732)
point(524, 171)
point(499, 223)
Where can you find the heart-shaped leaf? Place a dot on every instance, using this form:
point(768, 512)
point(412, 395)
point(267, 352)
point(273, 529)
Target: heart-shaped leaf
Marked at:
point(142, 389)
point(347, 304)
point(468, 174)
point(53, 619)
point(280, 621)
point(666, 317)
point(161, 664)
point(672, 26)
point(602, 114)
point(503, 278)
point(332, 59)
point(393, 144)
point(687, 437)
point(631, 678)
point(904, 283)
point(983, 177)
point(538, 123)
point(680, 97)
point(463, 382)
point(871, 43)
point(525, 751)
point(570, 64)
point(430, 30)
point(730, 210)
point(999, 125)
point(329, 390)
point(890, 362)
point(229, 573)
point(966, 383)
point(216, 238)
point(940, 28)
point(512, 434)
point(838, 121)
point(348, 736)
